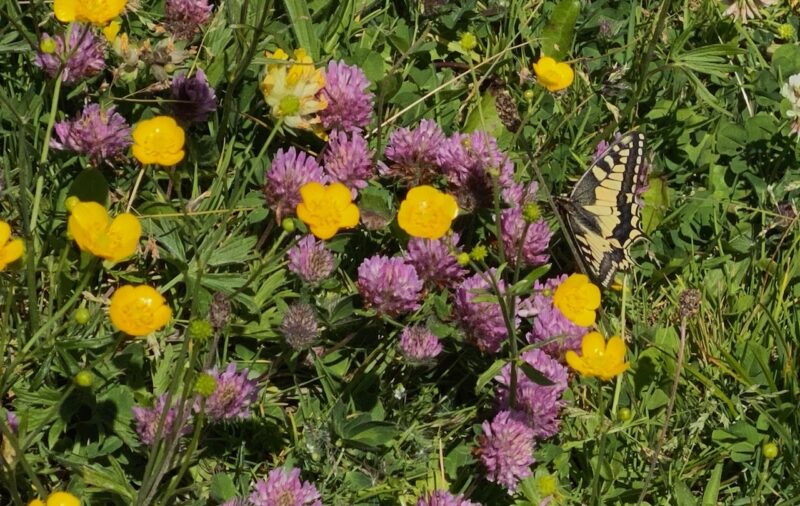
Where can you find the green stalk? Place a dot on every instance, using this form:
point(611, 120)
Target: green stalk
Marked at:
point(601, 408)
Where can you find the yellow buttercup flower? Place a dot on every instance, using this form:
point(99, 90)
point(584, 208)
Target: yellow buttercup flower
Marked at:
point(94, 231)
point(158, 140)
point(98, 12)
point(553, 75)
point(110, 32)
point(62, 499)
point(599, 359)
point(138, 310)
point(326, 209)
point(10, 250)
point(426, 212)
point(578, 299)
point(291, 89)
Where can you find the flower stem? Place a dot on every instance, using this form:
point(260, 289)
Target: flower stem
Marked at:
point(601, 408)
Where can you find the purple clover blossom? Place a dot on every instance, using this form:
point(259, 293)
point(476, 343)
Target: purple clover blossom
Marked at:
point(472, 162)
point(414, 153)
point(389, 285)
point(194, 99)
point(506, 450)
point(348, 160)
point(310, 260)
point(481, 320)
point(349, 103)
point(299, 327)
point(100, 134)
point(12, 420)
point(282, 488)
point(83, 58)
point(232, 396)
point(533, 249)
point(549, 323)
point(237, 501)
point(539, 404)
point(147, 421)
point(290, 170)
point(444, 498)
point(418, 345)
point(184, 17)
point(435, 261)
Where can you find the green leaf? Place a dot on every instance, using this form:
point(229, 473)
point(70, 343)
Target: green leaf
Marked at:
point(489, 374)
point(786, 60)
point(711, 493)
point(560, 29)
point(484, 117)
point(534, 375)
point(303, 26)
point(370, 433)
point(222, 487)
point(90, 186)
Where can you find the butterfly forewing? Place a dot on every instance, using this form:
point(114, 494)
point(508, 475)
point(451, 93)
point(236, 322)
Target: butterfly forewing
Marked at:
point(602, 211)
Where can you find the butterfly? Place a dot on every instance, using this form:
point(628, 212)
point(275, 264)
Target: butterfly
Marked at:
point(602, 211)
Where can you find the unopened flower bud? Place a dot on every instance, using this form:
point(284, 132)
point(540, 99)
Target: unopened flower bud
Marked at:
point(531, 213)
point(288, 225)
point(468, 41)
point(47, 46)
point(478, 253)
point(84, 378)
point(199, 330)
point(205, 385)
point(463, 259)
point(71, 202)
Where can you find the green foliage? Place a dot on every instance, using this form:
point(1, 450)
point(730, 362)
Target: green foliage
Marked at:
point(363, 424)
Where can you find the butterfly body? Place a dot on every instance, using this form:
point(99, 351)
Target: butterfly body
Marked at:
point(602, 211)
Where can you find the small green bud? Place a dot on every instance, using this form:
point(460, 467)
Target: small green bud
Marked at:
point(199, 330)
point(528, 95)
point(47, 46)
point(71, 202)
point(468, 41)
point(205, 384)
point(84, 378)
point(169, 68)
point(463, 259)
point(547, 485)
point(770, 450)
point(288, 225)
point(479, 253)
point(786, 31)
point(531, 213)
point(289, 105)
point(624, 414)
point(81, 316)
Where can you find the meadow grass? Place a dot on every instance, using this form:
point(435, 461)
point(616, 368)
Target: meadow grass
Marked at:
point(711, 384)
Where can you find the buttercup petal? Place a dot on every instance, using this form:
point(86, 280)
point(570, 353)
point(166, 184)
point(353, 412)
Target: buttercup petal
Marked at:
point(350, 216)
point(339, 193)
point(593, 345)
point(312, 191)
point(11, 252)
point(65, 10)
point(324, 231)
point(126, 231)
point(615, 349)
point(5, 233)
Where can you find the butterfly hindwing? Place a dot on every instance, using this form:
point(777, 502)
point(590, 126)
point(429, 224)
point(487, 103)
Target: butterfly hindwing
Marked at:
point(602, 211)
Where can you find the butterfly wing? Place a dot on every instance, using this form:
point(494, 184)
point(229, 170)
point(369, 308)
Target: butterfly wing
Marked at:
point(602, 211)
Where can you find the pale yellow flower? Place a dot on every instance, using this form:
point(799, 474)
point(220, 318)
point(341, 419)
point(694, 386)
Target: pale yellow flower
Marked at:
point(291, 89)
